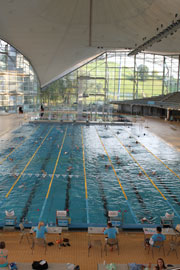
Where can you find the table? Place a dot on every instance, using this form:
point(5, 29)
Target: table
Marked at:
point(118, 267)
point(165, 231)
point(50, 230)
point(52, 266)
point(125, 267)
point(98, 230)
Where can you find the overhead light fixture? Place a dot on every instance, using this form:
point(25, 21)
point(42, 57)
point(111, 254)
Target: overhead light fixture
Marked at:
point(170, 30)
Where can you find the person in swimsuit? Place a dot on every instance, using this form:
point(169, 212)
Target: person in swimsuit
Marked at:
point(3, 255)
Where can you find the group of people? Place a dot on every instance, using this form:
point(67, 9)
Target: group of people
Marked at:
point(110, 232)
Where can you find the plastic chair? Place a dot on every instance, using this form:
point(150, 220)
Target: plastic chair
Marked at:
point(111, 242)
point(94, 243)
point(158, 245)
point(23, 233)
point(39, 242)
point(173, 247)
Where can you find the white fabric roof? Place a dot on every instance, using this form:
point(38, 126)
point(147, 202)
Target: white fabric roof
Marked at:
point(56, 35)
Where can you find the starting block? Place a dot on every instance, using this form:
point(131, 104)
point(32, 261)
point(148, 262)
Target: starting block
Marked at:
point(114, 218)
point(10, 220)
point(62, 220)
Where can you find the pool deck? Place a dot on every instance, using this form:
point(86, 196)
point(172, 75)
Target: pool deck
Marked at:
point(131, 250)
point(168, 131)
point(131, 243)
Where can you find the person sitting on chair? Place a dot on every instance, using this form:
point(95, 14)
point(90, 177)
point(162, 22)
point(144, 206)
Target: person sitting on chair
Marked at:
point(156, 237)
point(40, 230)
point(3, 255)
point(110, 232)
point(160, 264)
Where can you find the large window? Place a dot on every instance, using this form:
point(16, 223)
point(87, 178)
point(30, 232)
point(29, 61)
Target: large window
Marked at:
point(19, 85)
point(115, 76)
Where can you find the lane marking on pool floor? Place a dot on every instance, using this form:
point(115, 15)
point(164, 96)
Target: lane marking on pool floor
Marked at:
point(50, 184)
point(18, 146)
point(28, 163)
point(152, 182)
point(135, 219)
point(153, 154)
point(85, 180)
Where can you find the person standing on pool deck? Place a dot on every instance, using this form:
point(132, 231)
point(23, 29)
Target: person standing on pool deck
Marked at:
point(42, 111)
point(40, 230)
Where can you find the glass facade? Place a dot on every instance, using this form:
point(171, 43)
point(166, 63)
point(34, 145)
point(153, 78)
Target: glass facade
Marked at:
point(19, 85)
point(114, 76)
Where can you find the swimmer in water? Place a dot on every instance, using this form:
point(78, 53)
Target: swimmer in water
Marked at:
point(107, 166)
point(21, 186)
point(140, 173)
point(153, 172)
point(65, 153)
point(44, 174)
point(11, 159)
point(144, 219)
point(69, 169)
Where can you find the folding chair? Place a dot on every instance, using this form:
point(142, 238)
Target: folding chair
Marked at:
point(39, 242)
point(173, 247)
point(111, 242)
point(158, 245)
point(23, 233)
point(94, 243)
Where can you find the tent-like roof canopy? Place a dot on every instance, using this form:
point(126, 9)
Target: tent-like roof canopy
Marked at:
point(56, 35)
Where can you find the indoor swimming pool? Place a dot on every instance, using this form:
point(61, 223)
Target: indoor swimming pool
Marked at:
point(88, 170)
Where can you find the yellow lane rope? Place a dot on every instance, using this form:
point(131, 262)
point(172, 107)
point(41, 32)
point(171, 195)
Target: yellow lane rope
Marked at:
point(84, 167)
point(112, 166)
point(28, 163)
point(154, 155)
point(17, 147)
point(140, 166)
point(50, 184)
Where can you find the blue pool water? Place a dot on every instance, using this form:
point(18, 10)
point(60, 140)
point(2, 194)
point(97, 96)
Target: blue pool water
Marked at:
point(124, 169)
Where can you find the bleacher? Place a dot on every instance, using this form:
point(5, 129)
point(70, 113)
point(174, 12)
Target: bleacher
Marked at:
point(171, 101)
point(163, 106)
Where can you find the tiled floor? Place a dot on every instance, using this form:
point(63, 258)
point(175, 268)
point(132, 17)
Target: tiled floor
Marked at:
point(131, 250)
